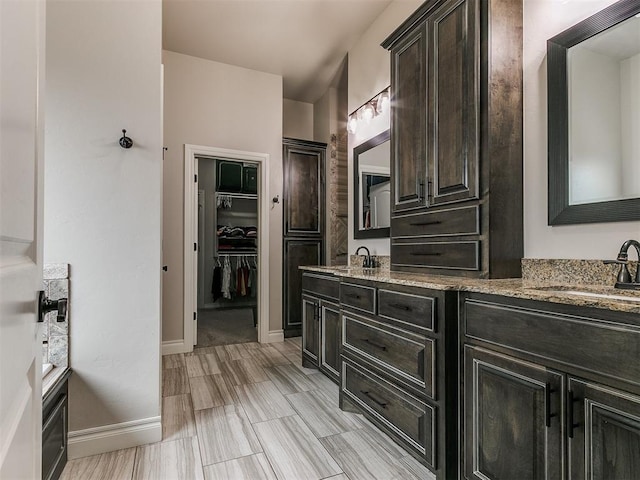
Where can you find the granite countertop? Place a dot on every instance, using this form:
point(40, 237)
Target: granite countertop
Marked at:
point(588, 295)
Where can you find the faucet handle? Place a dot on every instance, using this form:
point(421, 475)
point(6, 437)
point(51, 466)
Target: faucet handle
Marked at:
point(624, 276)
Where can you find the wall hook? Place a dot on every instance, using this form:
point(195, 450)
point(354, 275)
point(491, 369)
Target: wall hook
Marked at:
point(125, 142)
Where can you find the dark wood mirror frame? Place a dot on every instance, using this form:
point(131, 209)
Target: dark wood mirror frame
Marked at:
point(357, 151)
point(560, 211)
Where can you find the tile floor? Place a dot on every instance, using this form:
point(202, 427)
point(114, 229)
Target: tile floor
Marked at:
point(251, 411)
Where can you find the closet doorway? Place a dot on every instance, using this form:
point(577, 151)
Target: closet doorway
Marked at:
point(225, 273)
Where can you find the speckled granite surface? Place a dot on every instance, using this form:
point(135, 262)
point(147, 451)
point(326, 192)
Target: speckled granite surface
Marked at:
point(571, 272)
point(588, 295)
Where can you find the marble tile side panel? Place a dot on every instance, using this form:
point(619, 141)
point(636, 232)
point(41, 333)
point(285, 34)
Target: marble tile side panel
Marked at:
point(225, 433)
point(293, 451)
point(177, 417)
point(176, 459)
point(252, 467)
point(58, 354)
point(52, 271)
point(263, 401)
point(116, 465)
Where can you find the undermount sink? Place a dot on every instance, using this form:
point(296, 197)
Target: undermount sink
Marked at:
point(623, 296)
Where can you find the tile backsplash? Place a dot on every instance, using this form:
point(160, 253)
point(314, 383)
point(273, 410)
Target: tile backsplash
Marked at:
point(55, 335)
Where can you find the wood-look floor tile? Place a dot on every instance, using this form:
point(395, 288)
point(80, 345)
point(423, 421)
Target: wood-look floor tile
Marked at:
point(321, 415)
point(286, 347)
point(241, 372)
point(238, 351)
point(263, 401)
point(341, 476)
point(225, 433)
point(252, 467)
point(173, 361)
point(116, 465)
point(177, 417)
point(211, 391)
point(361, 457)
point(293, 451)
point(297, 341)
point(289, 379)
point(199, 365)
point(268, 356)
point(418, 469)
point(296, 359)
point(175, 382)
point(323, 383)
point(178, 459)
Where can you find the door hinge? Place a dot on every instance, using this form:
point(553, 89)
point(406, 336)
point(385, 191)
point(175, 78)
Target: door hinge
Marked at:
point(195, 316)
point(195, 247)
point(195, 178)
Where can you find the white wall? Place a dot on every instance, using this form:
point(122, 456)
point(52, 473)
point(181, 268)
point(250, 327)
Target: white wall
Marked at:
point(369, 74)
point(103, 203)
point(297, 119)
point(542, 20)
point(213, 104)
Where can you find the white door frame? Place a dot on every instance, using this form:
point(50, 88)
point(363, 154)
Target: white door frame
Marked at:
point(191, 235)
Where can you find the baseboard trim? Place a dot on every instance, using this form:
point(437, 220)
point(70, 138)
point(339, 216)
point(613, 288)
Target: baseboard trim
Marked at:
point(275, 336)
point(173, 346)
point(107, 438)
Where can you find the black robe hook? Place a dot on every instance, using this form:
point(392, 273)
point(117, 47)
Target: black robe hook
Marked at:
point(125, 142)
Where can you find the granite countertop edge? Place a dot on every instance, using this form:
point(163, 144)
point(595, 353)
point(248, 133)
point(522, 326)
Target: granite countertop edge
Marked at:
point(509, 287)
point(52, 379)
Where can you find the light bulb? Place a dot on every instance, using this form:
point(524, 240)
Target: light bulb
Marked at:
point(382, 105)
point(352, 124)
point(368, 112)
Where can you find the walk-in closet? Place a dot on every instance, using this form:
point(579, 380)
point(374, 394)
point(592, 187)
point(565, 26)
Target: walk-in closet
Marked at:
point(227, 251)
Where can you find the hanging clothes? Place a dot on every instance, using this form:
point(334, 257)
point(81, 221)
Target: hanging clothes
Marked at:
point(226, 278)
point(216, 284)
point(253, 280)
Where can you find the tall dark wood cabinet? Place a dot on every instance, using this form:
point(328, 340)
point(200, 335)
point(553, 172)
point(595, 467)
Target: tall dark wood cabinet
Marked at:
point(303, 221)
point(456, 139)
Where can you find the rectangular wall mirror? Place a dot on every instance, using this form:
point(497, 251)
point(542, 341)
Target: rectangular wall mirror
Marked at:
point(594, 118)
point(372, 188)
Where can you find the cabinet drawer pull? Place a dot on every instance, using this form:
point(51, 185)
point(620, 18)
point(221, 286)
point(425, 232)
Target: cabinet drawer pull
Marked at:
point(425, 254)
point(399, 306)
point(374, 344)
point(570, 424)
point(547, 405)
point(424, 224)
point(352, 295)
point(383, 404)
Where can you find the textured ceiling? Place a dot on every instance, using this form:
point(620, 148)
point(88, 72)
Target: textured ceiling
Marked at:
point(303, 40)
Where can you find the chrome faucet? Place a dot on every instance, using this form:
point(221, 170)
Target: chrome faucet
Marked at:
point(623, 280)
point(368, 261)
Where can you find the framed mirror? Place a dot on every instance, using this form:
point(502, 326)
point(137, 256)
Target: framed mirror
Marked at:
point(372, 188)
point(593, 79)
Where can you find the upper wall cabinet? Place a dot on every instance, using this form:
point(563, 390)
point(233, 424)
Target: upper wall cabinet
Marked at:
point(456, 139)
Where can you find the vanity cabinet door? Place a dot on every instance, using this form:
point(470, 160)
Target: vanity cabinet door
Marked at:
point(310, 329)
point(603, 426)
point(408, 125)
point(453, 147)
point(512, 412)
point(330, 339)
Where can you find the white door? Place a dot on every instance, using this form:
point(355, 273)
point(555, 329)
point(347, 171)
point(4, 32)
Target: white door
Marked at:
point(21, 141)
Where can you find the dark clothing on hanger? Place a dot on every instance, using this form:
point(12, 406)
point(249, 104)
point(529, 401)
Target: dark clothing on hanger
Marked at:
point(216, 286)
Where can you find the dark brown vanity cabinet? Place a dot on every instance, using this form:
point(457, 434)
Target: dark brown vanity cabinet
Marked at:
point(395, 360)
point(55, 428)
point(456, 139)
point(321, 331)
point(550, 391)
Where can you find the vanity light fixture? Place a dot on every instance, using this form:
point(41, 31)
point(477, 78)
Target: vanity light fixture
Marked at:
point(377, 105)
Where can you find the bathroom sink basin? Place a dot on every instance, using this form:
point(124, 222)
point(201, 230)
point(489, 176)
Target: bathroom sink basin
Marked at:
point(607, 294)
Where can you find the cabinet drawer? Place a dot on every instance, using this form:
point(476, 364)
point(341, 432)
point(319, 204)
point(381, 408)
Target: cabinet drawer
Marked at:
point(359, 297)
point(407, 307)
point(324, 285)
point(591, 344)
point(452, 255)
point(407, 418)
point(407, 356)
point(452, 221)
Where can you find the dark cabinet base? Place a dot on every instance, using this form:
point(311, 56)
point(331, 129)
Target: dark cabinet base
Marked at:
point(54, 429)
